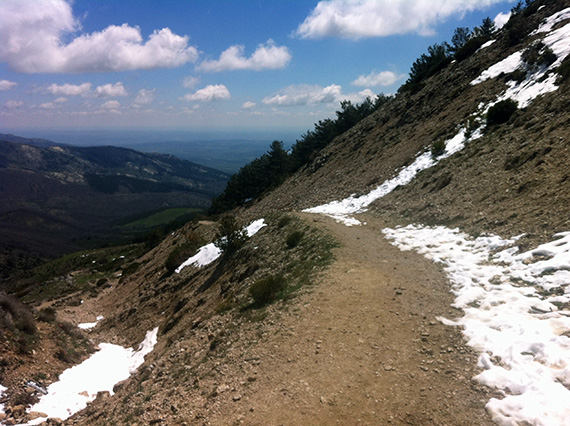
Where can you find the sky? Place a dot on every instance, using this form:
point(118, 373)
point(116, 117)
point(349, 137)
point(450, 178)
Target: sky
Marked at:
point(217, 64)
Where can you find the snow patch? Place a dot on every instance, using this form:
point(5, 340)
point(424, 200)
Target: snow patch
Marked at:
point(2, 390)
point(509, 64)
point(552, 20)
point(89, 325)
point(342, 210)
point(209, 253)
point(515, 315)
point(79, 385)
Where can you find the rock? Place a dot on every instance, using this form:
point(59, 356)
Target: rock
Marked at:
point(32, 415)
point(236, 397)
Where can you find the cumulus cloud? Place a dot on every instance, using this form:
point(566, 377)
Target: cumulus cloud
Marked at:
point(266, 56)
point(190, 82)
point(304, 94)
point(47, 105)
point(357, 19)
point(61, 100)
point(209, 93)
point(12, 104)
point(501, 19)
point(110, 90)
point(383, 78)
point(144, 97)
point(248, 105)
point(111, 105)
point(34, 34)
point(7, 85)
point(67, 89)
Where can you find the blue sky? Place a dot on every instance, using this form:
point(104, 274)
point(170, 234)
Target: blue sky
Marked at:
point(224, 64)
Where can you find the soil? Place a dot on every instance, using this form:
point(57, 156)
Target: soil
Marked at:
point(363, 346)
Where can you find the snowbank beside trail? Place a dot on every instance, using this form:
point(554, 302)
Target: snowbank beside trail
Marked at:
point(209, 253)
point(516, 314)
point(79, 385)
point(343, 209)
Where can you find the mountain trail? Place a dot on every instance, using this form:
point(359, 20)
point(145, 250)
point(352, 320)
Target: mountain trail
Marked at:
point(364, 347)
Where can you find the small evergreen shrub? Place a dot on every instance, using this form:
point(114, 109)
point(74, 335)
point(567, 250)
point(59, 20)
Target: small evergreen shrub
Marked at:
point(294, 238)
point(438, 148)
point(265, 290)
point(230, 237)
point(469, 48)
point(47, 314)
point(501, 112)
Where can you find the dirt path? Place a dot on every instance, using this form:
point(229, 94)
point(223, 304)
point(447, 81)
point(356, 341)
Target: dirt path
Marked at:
point(363, 348)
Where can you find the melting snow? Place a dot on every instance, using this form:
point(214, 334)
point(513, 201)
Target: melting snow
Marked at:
point(79, 385)
point(538, 82)
point(341, 210)
point(507, 65)
point(516, 316)
point(2, 390)
point(88, 325)
point(209, 253)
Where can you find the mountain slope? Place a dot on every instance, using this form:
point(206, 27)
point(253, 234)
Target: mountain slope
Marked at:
point(377, 337)
point(56, 196)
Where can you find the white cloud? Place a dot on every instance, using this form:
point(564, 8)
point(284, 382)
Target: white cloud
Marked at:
point(383, 78)
point(47, 105)
point(190, 82)
point(266, 56)
point(209, 93)
point(7, 85)
point(111, 105)
point(12, 104)
point(248, 105)
point(61, 100)
point(66, 89)
point(357, 19)
point(501, 19)
point(110, 90)
point(33, 34)
point(144, 97)
point(305, 94)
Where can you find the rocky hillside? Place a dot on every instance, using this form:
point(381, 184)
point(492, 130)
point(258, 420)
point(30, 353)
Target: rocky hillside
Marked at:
point(312, 322)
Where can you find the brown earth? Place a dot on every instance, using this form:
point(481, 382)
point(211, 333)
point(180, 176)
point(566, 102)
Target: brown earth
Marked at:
point(363, 346)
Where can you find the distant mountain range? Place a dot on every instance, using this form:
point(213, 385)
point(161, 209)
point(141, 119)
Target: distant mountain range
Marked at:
point(55, 198)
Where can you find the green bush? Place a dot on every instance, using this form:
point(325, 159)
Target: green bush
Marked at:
point(437, 148)
point(230, 237)
point(265, 290)
point(47, 314)
point(469, 48)
point(14, 314)
point(294, 238)
point(501, 112)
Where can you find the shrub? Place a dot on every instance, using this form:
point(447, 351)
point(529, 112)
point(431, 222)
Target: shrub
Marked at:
point(501, 112)
point(294, 238)
point(265, 290)
point(437, 148)
point(47, 314)
point(230, 237)
point(14, 313)
point(563, 70)
point(470, 48)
